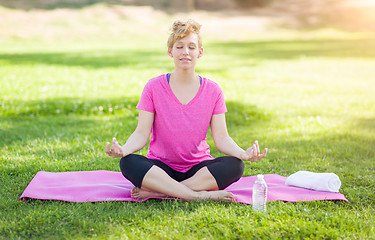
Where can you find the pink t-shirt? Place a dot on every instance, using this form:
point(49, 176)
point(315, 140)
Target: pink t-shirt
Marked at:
point(179, 132)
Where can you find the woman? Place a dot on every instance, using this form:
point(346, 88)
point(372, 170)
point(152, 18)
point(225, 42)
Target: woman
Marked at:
point(176, 109)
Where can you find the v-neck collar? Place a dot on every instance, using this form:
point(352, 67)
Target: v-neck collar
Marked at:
point(169, 89)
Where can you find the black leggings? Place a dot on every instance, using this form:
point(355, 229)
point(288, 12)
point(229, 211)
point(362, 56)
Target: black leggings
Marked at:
point(226, 170)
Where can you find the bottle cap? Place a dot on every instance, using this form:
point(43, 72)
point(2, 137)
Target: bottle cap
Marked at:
point(260, 176)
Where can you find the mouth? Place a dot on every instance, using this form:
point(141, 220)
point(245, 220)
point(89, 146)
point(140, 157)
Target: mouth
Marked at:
point(185, 59)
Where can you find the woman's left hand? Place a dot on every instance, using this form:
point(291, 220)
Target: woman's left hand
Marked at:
point(252, 154)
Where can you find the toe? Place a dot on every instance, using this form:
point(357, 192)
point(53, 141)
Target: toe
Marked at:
point(134, 193)
point(134, 190)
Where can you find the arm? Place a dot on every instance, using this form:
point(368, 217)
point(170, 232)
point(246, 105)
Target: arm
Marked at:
point(137, 140)
point(226, 145)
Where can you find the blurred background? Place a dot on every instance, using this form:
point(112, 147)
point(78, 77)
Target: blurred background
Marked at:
point(86, 20)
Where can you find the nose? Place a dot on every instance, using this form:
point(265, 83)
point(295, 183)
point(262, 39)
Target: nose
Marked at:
point(185, 50)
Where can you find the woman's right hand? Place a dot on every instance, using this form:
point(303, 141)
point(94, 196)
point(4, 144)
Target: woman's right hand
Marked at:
point(115, 150)
point(252, 154)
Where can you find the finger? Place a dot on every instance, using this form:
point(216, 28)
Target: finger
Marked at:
point(107, 148)
point(255, 150)
point(257, 145)
point(264, 153)
point(250, 154)
point(117, 147)
point(114, 140)
point(232, 199)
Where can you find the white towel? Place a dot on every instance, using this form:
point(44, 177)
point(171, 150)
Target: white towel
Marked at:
point(329, 182)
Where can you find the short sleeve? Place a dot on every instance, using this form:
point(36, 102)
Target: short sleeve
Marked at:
point(146, 102)
point(220, 106)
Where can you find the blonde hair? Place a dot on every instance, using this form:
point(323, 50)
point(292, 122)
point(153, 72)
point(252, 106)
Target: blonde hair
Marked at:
point(181, 29)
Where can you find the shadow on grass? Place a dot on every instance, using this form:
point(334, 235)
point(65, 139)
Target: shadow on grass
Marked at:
point(68, 117)
point(66, 106)
point(291, 49)
point(62, 117)
point(136, 59)
point(367, 124)
point(347, 152)
point(262, 50)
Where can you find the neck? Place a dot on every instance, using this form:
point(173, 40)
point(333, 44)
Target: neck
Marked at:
point(184, 76)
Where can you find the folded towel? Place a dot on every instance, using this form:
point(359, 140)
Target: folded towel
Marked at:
point(329, 182)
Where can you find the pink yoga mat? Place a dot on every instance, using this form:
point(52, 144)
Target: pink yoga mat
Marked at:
point(95, 186)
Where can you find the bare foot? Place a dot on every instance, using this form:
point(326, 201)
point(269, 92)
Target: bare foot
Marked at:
point(139, 193)
point(221, 196)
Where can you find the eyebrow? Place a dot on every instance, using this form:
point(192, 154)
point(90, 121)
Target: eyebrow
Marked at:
point(187, 43)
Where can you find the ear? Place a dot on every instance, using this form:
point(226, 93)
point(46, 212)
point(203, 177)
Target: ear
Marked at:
point(200, 52)
point(170, 52)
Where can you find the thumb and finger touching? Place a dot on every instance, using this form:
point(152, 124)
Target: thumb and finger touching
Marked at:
point(115, 150)
point(254, 152)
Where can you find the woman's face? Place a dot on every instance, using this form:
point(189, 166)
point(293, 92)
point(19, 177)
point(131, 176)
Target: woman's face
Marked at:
point(186, 51)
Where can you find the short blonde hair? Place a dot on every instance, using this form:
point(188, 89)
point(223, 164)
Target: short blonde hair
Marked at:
point(181, 29)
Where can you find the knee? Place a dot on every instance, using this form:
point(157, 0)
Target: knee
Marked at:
point(132, 169)
point(234, 167)
point(231, 171)
point(126, 161)
point(238, 166)
point(123, 161)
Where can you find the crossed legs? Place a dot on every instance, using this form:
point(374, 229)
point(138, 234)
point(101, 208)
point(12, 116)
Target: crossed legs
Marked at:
point(157, 180)
point(156, 183)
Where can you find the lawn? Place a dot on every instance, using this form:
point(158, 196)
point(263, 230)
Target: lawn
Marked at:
point(310, 100)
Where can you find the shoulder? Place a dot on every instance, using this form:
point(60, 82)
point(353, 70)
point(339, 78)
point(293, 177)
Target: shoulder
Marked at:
point(156, 80)
point(212, 86)
point(150, 92)
point(155, 83)
point(211, 83)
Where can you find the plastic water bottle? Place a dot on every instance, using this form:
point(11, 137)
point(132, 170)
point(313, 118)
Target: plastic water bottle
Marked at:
point(260, 194)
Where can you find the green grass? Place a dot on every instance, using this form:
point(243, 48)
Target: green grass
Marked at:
point(311, 102)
